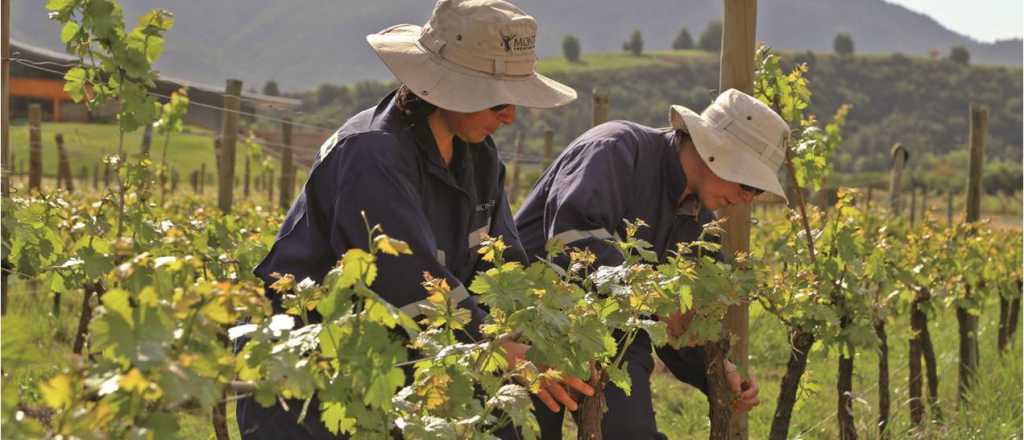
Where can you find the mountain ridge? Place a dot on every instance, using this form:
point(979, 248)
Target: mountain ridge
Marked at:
point(304, 43)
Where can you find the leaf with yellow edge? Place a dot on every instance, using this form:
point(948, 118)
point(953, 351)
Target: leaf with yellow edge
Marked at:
point(284, 283)
point(391, 246)
point(57, 391)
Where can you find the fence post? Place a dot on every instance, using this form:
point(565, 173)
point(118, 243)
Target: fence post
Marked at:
point(229, 133)
point(924, 203)
point(287, 165)
point(949, 207)
point(549, 146)
point(106, 174)
point(270, 186)
point(83, 175)
point(900, 156)
point(739, 24)
point(96, 176)
point(967, 321)
point(174, 179)
point(867, 202)
point(147, 139)
point(202, 178)
point(5, 153)
point(600, 107)
point(245, 180)
point(63, 165)
point(513, 191)
point(35, 157)
point(913, 204)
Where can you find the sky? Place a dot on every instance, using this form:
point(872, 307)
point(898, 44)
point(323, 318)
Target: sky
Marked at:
point(983, 20)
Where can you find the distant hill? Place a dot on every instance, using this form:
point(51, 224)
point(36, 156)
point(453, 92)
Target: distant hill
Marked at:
point(301, 44)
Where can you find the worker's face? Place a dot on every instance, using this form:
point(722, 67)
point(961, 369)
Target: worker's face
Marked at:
point(474, 127)
point(716, 193)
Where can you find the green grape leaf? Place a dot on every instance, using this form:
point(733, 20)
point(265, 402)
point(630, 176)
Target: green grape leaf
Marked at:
point(336, 420)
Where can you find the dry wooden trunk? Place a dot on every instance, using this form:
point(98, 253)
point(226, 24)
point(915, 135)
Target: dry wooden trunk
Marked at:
point(968, 329)
point(220, 418)
point(844, 388)
point(917, 324)
point(91, 289)
point(720, 397)
point(802, 342)
point(592, 409)
point(1009, 312)
point(3, 289)
point(931, 370)
point(884, 400)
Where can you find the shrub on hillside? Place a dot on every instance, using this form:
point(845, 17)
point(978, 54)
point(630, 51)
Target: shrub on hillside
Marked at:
point(711, 38)
point(571, 48)
point(635, 44)
point(843, 44)
point(683, 41)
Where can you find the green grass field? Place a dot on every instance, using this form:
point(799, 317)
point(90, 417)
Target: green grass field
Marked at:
point(87, 143)
point(591, 62)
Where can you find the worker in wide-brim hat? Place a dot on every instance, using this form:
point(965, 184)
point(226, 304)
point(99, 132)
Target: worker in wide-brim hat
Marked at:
point(422, 164)
point(672, 179)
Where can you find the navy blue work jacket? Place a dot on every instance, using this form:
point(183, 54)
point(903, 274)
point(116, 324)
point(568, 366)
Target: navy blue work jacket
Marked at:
point(383, 163)
point(616, 171)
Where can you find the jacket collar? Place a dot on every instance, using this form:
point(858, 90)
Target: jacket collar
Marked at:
point(673, 168)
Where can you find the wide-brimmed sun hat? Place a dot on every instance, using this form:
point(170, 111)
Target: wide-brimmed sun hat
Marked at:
point(471, 55)
point(740, 139)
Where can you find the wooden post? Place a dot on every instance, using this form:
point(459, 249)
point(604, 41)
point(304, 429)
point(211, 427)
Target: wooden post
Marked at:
point(83, 175)
point(147, 139)
point(739, 28)
point(978, 134)
point(91, 289)
point(924, 204)
point(106, 174)
point(96, 176)
point(202, 178)
point(913, 205)
point(949, 207)
point(549, 146)
point(5, 154)
point(287, 166)
point(270, 187)
point(35, 157)
point(600, 107)
point(63, 165)
point(967, 321)
point(194, 180)
point(174, 180)
point(229, 134)
point(867, 203)
point(513, 190)
point(245, 180)
point(900, 156)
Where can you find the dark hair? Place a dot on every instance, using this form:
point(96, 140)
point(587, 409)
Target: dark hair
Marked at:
point(412, 105)
point(681, 137)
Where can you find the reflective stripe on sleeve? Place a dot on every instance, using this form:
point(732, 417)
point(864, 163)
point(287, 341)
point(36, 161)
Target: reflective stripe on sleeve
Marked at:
point(476, 237)
point(573, 235)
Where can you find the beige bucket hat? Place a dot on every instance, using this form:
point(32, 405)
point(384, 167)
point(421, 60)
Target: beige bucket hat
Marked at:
point(740, 138)
point(471, 55)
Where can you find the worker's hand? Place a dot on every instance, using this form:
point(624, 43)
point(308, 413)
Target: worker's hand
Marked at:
point(677, 323)
point(552, 392)
point(745, 391)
